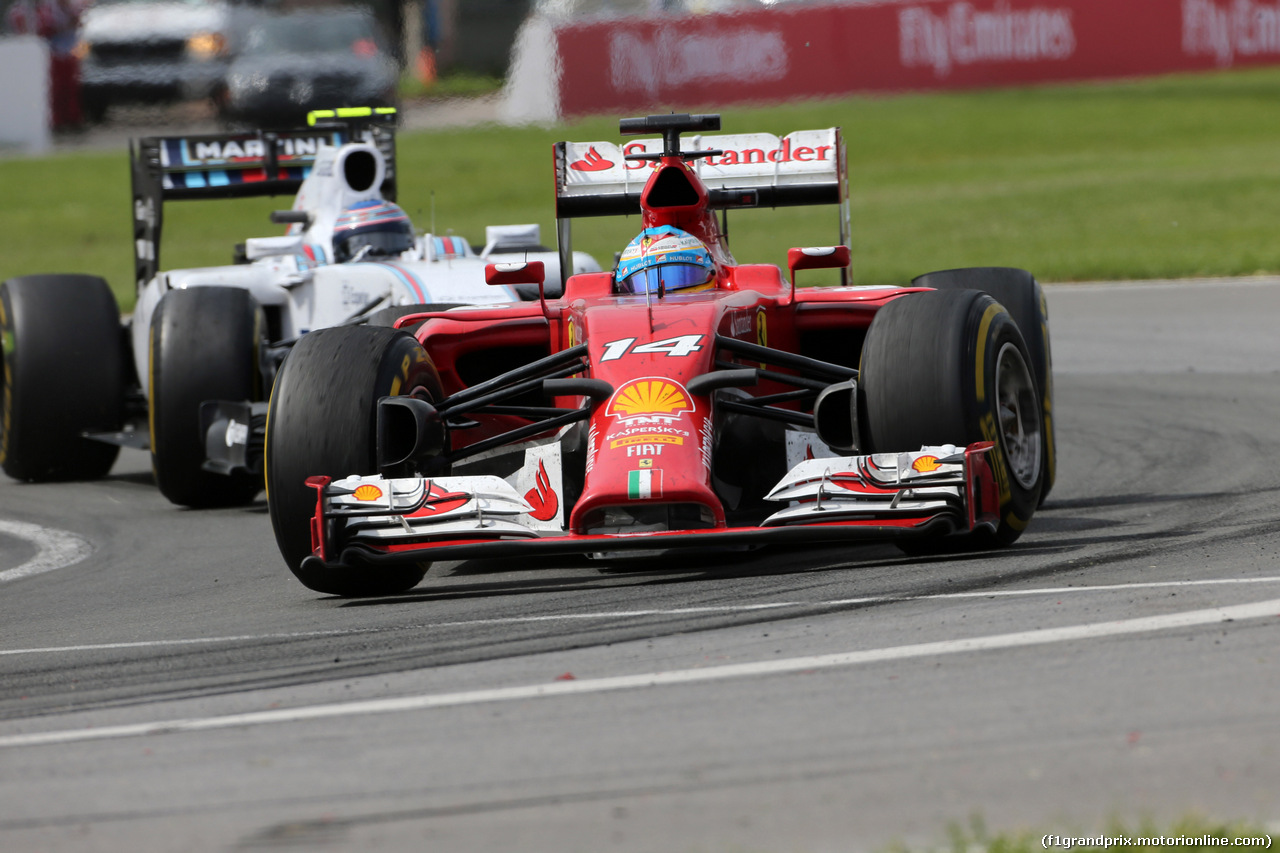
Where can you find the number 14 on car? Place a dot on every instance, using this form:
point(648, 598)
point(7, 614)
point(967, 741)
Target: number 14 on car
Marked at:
point(677, 347)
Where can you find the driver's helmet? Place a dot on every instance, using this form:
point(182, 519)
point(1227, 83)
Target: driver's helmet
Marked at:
point(664, 254)
point(380, 226)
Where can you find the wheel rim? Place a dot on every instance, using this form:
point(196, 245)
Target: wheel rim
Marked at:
point(1019, 416)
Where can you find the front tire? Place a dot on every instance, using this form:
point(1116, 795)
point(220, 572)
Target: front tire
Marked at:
point(64, 375)
point(951, 367)
point(204, 346)
point(1023, 297)
point(322, 421)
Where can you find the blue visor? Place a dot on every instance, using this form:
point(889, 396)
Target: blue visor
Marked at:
point(671, 276)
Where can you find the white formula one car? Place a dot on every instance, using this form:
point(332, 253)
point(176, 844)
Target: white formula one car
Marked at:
point(188, 375)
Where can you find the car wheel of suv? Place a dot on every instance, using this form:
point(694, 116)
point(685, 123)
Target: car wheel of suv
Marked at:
point(322, 421)
point(94, 108)
point(1021, 295)
point(951, 367)
point(64, 368)
point(204, 346)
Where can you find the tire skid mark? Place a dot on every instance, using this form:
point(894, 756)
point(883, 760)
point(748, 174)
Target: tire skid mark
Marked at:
point(1269, 609)
point(825, 604)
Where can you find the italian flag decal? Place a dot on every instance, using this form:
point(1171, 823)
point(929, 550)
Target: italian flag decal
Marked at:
point(644, 484)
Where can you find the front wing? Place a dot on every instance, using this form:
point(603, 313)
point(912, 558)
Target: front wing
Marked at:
point(371, 520)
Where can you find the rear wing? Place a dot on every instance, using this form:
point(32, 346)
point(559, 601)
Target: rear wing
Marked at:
point(807, 167)
point(233, 165)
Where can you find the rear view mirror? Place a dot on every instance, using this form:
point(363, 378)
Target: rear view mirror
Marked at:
point(816, 258)
point(267, 247)
point(522, 272)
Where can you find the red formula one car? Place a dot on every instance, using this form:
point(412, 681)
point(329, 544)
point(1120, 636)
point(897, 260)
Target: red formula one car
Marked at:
point(682, 401)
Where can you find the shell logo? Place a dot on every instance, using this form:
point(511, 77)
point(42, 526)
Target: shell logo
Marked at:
point(925, 464)
point(367, 493)
point(649, 397)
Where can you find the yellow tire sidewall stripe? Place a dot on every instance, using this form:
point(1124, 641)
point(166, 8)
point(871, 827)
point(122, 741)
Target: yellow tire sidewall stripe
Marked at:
point(984, 328)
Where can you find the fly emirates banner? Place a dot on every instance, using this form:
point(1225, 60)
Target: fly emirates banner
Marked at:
point(785, 52)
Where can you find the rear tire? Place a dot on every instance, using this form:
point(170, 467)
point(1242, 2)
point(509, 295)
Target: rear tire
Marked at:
point(951, 367)
point(204, 346)
point(1021, 295)
point(64, 375)
point(322, 421)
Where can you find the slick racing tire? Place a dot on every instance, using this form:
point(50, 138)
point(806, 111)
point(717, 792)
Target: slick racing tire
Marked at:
point(1021, 295)
point(204, 345)
point(322, 420)
point(951, 367)
point(64, 375)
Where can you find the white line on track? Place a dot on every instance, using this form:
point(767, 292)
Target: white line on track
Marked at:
point(634, 614)
point(55, 549)
point(1187, 619)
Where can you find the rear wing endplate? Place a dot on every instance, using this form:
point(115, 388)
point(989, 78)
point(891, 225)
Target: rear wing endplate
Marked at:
point(231, 165)
point(807, 167)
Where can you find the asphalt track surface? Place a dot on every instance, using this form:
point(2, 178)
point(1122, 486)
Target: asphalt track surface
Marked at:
point(167, 685)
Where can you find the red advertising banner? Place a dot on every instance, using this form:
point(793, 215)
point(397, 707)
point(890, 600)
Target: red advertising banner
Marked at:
point(785, 53)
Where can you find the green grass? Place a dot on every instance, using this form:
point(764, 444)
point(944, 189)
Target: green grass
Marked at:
point(976, 838)
point(457, 84)
point(1173, 176)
